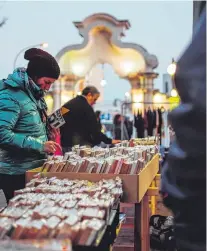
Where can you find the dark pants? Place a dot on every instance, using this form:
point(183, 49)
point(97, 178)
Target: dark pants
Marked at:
point(150, 130)
point(159, 131)
point(190, 223)
point(140, 133)
point(10, 183)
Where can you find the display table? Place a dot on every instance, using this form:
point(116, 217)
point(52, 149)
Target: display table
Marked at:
point(103, 241)
point(135, 191)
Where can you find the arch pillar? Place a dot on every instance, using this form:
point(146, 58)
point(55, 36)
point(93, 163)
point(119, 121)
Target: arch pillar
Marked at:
point(148, 86)
point(142, 91)
point(56, 91)
point(137, 94)
point(79, 86)
point(68, 83)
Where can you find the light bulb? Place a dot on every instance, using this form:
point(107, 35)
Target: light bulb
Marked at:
point(174, 93)
point(44, 45)
point(78, 69)
point(171, 69)
point(127, 94)
point(103, 82)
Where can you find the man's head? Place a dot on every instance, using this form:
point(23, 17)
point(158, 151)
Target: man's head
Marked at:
point(42, 68)
point(91, 93)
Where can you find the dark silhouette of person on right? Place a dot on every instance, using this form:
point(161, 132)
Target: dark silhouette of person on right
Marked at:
point(183, 183)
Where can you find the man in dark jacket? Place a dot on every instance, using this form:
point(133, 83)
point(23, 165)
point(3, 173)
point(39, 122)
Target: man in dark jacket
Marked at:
point(81, 127)
point(184, 175)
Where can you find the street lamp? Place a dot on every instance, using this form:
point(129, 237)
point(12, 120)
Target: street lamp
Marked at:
point(103, 81)
point(174, 93)
point(171, 69)
point(127, 94)
point(43, 45)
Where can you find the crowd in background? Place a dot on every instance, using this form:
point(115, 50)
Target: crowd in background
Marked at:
point(117, 126)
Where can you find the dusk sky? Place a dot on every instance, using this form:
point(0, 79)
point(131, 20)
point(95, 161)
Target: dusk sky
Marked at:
point(164, 28)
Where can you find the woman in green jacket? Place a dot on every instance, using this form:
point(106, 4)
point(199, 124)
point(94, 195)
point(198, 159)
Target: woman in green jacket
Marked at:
point(24, 142)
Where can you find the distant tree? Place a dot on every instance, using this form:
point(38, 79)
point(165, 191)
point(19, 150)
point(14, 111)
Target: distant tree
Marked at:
point(3, 21)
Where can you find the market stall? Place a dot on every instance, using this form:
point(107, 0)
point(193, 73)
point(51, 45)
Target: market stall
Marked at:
point(132, 166)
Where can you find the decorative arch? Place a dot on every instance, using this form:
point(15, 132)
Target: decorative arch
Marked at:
point(102, 43)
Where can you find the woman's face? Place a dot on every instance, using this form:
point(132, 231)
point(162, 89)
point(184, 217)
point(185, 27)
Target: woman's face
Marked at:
point(45, 83)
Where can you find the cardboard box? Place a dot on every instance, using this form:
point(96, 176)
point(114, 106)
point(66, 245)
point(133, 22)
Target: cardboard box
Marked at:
point(134, 186)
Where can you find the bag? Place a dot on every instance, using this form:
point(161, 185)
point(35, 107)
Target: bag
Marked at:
point(162, 233)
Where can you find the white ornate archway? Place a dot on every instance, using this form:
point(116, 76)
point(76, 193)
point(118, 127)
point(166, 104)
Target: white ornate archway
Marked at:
point(102, 44)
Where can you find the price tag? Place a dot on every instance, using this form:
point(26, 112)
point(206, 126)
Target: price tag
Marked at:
point(56, 120)
point(89, 184)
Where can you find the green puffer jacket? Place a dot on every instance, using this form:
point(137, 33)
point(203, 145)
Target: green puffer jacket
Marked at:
point(22, 132)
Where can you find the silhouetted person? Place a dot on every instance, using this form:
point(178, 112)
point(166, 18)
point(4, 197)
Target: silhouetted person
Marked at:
point(184, 175)
point(117, 128)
